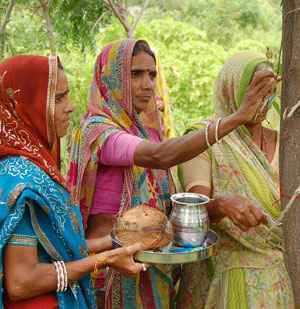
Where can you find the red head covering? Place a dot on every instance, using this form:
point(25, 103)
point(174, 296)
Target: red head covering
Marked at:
point(27, 111)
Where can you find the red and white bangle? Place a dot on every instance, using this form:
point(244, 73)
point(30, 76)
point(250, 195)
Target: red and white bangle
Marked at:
point(66, 275)
point(62, 276)
point(58, 287)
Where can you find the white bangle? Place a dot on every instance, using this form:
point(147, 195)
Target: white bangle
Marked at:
point(64, 277)
point(58, 287)
point(217, 130)
point(206, 136)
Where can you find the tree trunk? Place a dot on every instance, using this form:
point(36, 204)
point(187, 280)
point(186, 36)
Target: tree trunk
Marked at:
point(3, 25)
point(290, 139)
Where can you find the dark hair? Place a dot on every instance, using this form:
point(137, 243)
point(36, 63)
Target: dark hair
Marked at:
point(140, 46)
point(60, 66)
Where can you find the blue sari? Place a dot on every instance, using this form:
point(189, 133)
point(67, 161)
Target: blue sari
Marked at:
point(55, 218)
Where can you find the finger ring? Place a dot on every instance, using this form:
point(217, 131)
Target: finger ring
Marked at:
point(144, 267)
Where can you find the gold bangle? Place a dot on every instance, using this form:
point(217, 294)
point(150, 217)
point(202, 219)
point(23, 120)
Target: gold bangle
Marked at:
point(99, 263)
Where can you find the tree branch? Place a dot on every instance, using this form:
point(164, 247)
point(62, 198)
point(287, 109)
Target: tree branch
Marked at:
point(120, 5)
point(49, 27)
point(142, 11)
point(3, 25)
point(97, 22)
point(119, 12)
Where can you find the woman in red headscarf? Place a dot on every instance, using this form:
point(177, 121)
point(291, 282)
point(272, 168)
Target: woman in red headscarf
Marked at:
point(44, 255)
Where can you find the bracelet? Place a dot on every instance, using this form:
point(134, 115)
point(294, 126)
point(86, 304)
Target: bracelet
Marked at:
point(58, 277)
point(206, 136)
point(217, 130)
point(62, 276)
point(99, 263)
point(65, 276)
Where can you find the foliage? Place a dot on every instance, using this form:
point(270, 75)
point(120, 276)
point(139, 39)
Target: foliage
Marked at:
point(74, 22)
point(26, 31)
point(77, 21)
point(224, 21)
point(190, 63)
point(192, 37)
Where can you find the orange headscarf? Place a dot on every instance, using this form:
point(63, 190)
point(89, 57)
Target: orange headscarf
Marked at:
point(27, 111)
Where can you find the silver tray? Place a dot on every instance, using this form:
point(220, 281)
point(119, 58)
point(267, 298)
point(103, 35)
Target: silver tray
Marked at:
point(187, 255)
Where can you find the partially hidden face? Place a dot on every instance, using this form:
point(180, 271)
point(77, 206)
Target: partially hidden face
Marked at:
point(263, 113)
point(143, 79)
point(63, 105)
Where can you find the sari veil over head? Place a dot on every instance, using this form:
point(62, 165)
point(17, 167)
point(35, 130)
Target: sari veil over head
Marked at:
point(248, 265)
point(29, 169)
point(239, 166)
point(27, 125)
point(110, 109)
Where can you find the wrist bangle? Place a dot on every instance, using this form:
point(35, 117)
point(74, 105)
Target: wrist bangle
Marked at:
point(100, 263)
point(62, 276)
point(206, 136)
point(217, 130)
point(58, 277)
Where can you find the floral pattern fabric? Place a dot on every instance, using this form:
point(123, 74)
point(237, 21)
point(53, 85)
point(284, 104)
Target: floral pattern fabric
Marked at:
point(246, 264)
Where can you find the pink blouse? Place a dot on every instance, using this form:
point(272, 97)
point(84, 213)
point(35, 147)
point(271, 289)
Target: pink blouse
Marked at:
point(117, 152)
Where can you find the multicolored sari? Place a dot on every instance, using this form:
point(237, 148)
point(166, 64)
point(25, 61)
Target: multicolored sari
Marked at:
point(110, 109)
point(162, 94)
point(29, 174)
point(249, 271)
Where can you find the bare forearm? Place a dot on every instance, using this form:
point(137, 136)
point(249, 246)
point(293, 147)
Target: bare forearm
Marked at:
point(32, 278)
point(42, 278)
point(99, 244)
point(181, 149)
point(213, 206)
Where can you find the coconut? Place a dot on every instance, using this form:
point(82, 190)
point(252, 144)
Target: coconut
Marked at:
point(146, 225)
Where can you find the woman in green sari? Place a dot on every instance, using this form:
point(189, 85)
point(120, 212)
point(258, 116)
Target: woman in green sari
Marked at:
point(248, 267)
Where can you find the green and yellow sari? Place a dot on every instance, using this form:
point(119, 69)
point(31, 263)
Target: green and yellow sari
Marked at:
point(249, 272)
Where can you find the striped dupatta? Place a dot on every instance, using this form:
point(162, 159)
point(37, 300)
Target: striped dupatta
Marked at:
point(110, 109)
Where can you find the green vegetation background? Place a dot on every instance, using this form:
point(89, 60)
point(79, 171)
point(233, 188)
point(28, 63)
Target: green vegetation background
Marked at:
point(192, 37)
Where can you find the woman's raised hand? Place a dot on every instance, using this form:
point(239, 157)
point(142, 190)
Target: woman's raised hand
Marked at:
point(259, 88)
point(241, 211)
point(122, 260)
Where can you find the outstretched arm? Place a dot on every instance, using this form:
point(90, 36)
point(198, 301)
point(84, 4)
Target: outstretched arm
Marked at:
point(181, 149)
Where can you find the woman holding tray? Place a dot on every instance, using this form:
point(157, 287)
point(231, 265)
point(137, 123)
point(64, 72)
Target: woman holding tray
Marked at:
point(44, 255)
point(119, 162)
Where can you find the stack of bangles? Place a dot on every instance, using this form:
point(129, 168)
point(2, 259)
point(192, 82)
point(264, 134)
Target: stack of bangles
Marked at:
point(216, 133)
point(62, 276)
